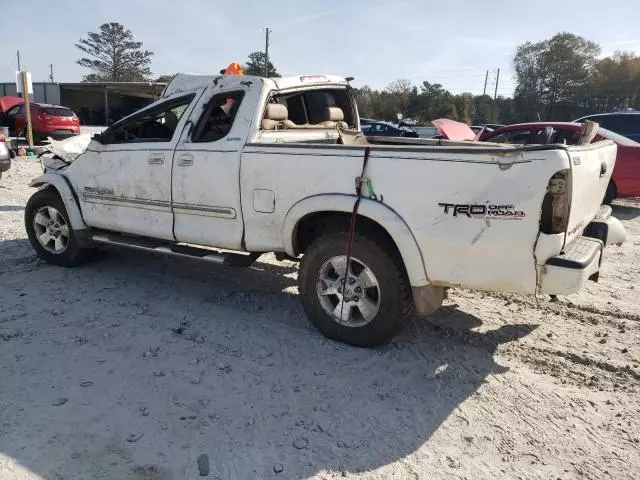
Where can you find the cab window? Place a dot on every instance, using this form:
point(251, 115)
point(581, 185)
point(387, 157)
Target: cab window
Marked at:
point(157, 124)
point(218, 117)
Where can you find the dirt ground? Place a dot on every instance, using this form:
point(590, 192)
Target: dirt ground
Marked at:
point(134, 366)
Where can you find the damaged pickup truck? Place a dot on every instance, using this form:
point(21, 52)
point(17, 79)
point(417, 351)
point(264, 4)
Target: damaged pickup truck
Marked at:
point(226, 168)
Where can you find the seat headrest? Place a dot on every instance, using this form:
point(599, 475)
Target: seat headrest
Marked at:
point(276, 111)
point(335, 114)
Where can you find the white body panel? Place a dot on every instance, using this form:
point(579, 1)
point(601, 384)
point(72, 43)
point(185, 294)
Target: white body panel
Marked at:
point(464, 215)
point(479, 252)
point(206, 176)
point(127, 187)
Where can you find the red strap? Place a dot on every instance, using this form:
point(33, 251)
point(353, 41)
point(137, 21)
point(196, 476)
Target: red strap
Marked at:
point(354, 216)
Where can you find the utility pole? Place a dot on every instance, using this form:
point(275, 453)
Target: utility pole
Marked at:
point(24, 78)
point(486, 79)
point(19, 67)
point(51, 72)
point(266, 54)
point(495, 95)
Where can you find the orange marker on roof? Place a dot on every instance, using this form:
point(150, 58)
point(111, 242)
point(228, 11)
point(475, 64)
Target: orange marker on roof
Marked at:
point(233, 69)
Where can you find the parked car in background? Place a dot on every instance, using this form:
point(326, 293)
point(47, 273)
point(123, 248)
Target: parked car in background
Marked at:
point(47, 120)
point(489, 127)
point(624, 123)
point(384, 129)
point(625, 181)
point(425, 132)
point(5, 154)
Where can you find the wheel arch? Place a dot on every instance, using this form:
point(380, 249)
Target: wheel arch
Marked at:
point(62, 187)
point(319, 208)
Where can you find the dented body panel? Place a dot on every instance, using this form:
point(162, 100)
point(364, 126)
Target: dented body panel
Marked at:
point(462, 214)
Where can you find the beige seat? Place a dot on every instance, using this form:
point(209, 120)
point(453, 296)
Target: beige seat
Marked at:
point(334, 116)
point(275, 117)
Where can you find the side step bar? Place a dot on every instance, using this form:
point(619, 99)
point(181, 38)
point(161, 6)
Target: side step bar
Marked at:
point(155, 246)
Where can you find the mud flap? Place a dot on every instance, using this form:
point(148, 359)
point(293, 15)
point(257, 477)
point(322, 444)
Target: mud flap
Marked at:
point(428, 299)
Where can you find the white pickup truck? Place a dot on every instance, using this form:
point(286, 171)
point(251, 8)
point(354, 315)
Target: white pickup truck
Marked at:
point(226, 168)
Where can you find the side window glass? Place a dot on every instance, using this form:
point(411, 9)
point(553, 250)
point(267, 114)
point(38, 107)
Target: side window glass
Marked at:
point(567, 137)
point(218, 117)
point(157, 124)
point(16, 110)
point(519, 137)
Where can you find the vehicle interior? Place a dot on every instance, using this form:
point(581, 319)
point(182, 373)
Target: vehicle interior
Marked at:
point(153, 125)
point(309, 109)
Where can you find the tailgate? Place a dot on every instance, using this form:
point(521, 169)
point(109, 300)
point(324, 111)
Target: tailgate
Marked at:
point(591, 169)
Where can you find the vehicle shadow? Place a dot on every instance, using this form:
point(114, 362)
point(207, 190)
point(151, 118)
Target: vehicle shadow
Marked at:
point(626, 211)
point(11, 208)
point(202, 359)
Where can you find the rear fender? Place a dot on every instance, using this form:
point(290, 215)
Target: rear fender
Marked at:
point(376, 211)
point(67, 195)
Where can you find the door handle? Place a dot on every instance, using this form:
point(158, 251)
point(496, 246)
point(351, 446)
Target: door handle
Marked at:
point(156, 158)
point(185, 160)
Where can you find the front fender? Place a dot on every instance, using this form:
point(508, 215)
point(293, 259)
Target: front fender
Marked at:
point(65, 191)
point(376, 211)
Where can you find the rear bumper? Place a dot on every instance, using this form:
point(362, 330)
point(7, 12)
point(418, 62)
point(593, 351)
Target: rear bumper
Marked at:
point(580, 261)
point(568, 272)
point(59, 133)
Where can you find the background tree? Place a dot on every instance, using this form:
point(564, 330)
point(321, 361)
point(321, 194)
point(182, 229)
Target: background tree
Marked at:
point(255, 66)
point(464, 107)
point(113, 55)
point(400, 91)
point(551, 74)
point(614, 84)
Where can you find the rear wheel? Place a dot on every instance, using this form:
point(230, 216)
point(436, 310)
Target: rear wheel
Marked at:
point(49, 230)
point(365, 303)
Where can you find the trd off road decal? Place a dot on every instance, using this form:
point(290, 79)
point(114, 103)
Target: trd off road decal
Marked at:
point(499, 212)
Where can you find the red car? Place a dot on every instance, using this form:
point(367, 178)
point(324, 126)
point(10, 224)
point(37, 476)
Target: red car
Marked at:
point(625, 181)
point(46, 121)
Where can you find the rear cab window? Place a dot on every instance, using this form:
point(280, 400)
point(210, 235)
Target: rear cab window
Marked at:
point(57, 111)
point(309, 107)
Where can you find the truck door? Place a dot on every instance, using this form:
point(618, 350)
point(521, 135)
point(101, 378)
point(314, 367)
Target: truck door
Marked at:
point(124, 182)
point(206, 168)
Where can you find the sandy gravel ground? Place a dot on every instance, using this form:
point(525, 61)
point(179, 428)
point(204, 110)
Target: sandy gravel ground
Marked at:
point(134, 366)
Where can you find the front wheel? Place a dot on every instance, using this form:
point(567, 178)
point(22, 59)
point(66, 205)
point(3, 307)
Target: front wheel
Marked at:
point(365, 303)
point(49, 230)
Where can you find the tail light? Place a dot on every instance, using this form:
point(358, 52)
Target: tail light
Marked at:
point(555, 206)
point(2, 138)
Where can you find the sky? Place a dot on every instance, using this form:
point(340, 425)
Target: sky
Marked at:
point(451, 42)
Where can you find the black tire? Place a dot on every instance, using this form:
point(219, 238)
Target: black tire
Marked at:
point(611, 193)
point(396, 302)
point(73, 255)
